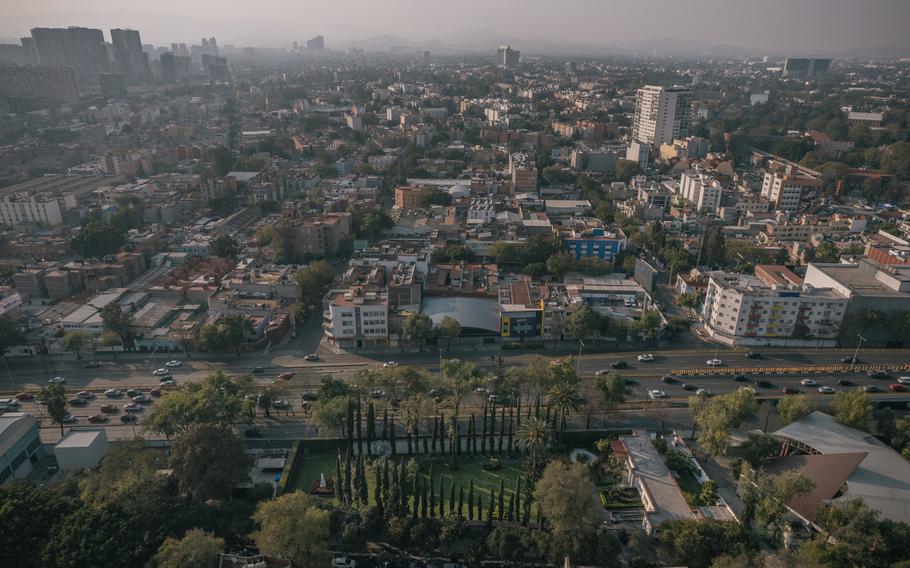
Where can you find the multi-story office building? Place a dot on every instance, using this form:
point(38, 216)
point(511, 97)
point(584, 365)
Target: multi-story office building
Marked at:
point(702, 191)
point(358, 317)
point(82, 49)
point(508, 57)
point(40, 209)
point(805, 68)
point(316, 44)
point(788, 189)
point(38, 82)
point(131, 61)
point(662, 114)
point(774, 307)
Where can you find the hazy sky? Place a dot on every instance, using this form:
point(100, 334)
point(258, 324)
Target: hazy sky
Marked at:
point(794, 26)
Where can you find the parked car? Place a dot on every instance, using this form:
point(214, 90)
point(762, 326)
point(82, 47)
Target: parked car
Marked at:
point(629, 382)
point(174, 363)
point(311, 357)
point(619, 364)
point(808, 383)
point(872, 388)
point(97, 419)
point(160, 372)
point(825, 389)
point(646, 358)
point(113, 393)
point(603, 372)
point(25, 396)
point(655, 394)
point(86, 395)
point(897, 387)
point(57, 381)
point(791, 390)
point(129, 418)
point(390, 364)
point(109, 409)
point(714, 362)
point(91, 364)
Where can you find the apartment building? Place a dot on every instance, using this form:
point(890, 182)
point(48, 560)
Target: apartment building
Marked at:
point(55, 83)
point(703, 191)
point(322, 236)
point(662, 114)
point(773, 307)
point(357, 317)
point(42, 209)
point(524, 173)
point(788, 189)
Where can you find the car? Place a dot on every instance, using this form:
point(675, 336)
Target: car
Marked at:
point(904, 380)
point(872, 388)
point(252, 433)
point(132, 407)
point(76, 401)
point(765, 384)
point(741, 379)
point(97, 419)
point(845, 383)
point(879, 374)
point(155, 391)
point(654, 394)
point(808, 383)
point(343, 562)
point(113, 393)
point(825, 389)
point(86, 395)
point(753, 355)
point(142, 399)
point(161, 372)
point(174, 363)
point(133, 392)
point(57, 381)
point(790, 390)
point(309, 396)
point(311, 357)
point(629, 382)
point(286, 376)
point(688, 387)
point(390, 364)
point(646, 358)
point(851, 360)
point(91, 364)
point(69, 418)
point(748, 388)
point(129, 418)
point(603, 372)
point(703, 392)
point(618, 365)
point(257, 370)
point(714, 362)
point(7, 404)
point(378, 393)
point(897, 387)
point(669, 379)
point(280, 403)
point(109, 409)
point(25, 396)
point(168, 382)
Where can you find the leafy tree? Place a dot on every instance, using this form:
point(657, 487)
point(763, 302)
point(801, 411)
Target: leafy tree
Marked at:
point(313, 280)
point(196, 549)
point(708, 494)
point(794, 407)
point(94, 536)
point(626, 170)
point(293, 526)
point(96, 239)
point(612, 387)
point(716, 416)
point(210, 338)
point(76, 341)
point(584, 322)
point(233, 329)
point(115, 320)
point(560, 263)
point(369, 223)
point(449, 328)
point(896, 159)
point(696, 542)
point(853, 409)
point(53, 397)
point(9, 334)
point(224, 246)
point(209, 460)
point(758, 447)
point(215, 400)
point(417, 327)
point(566, 496)
point(432, 196)
point(689, 300)
point(28, 514)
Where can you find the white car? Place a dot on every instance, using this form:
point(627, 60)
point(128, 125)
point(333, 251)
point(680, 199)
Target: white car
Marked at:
point(655, 394)
point(112, 393)
point(825, 389)
point(390, 364)
point(647, 358)
point(808, 383)
point(174, 363)
point(160, 372)
point(904, 380)
point(714, 362)
point(57, 381)
point(702, 392)
point(343, 562)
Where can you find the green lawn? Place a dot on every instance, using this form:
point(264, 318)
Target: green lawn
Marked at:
point(690, 487)
point(312, 465)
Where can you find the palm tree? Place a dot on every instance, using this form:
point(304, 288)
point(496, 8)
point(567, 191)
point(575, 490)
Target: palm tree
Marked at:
point(564, 398)
point(534, 436)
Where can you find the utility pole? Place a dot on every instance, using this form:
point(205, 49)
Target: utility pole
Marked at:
point(856, 353)
point(581, 345)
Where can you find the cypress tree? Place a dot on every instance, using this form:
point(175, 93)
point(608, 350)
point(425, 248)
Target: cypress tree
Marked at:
point(349, 424)
point(479, 507)
point(518, 497)
point(537, 407)
point(452, 496)
point(394, 497)
point(385, 481)
point(385, 424)
point(371, 427)
point(337, 481)
point(403, 489)
point(435, 433)
point(460, 500)
point(518, 413)
point(393, 440)
point(348, 493)
point(502, 428)
point(432, 490)
point(423, 500)
point(483, 438)
point(362, 489)
point(426, 448)
point(378, 487)
point(471, 500)
point(490, 510)
point(492, 430)
point(359, 428)
point(458, 449)
point(529, 489)
point(407, 433)
point(511, 437)
point(442, 498)
point(416, 495)
point(502, 497)
point(442, 433)
point(511, 507)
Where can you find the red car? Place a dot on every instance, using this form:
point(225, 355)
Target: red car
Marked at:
point(109, 409)
point(25, 396)
point(97, 418)
point(285, 376)
point(897, 388)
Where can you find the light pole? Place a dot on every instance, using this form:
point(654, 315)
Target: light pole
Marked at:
point(856, 353)
point(581, 345)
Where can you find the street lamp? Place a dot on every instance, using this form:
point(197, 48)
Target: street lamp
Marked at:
point(856, 353)
point(581, 345)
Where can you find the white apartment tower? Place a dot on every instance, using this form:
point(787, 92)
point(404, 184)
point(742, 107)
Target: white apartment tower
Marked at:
point(662, 114)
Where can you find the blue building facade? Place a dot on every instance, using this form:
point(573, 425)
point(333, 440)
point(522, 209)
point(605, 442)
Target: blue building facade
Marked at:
point(597, 243)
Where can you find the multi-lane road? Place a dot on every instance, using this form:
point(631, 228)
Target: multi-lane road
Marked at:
point(134, 371)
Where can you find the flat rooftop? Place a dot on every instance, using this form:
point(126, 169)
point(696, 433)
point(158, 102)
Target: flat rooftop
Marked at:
point(661, 494)
point(79, 438)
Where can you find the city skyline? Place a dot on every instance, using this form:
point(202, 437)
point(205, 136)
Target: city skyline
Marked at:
point(705, 26)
